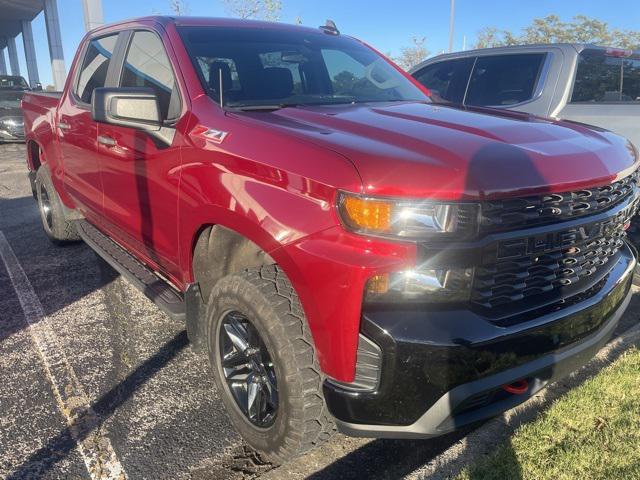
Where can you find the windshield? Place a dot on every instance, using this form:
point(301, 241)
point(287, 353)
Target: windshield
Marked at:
point(9, 102)
point(9, 81)
point(276, 68)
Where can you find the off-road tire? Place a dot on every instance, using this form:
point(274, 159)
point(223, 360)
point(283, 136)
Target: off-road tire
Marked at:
point(57, 228)
point(265, 296)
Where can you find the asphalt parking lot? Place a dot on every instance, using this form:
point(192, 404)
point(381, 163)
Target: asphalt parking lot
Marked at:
point(95, 382)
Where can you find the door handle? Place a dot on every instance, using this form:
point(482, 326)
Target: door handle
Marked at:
point(106, 140)
point(64, 126)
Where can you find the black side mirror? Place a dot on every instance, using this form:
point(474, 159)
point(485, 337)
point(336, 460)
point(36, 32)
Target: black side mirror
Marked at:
point(37, 87)
point(127, 107)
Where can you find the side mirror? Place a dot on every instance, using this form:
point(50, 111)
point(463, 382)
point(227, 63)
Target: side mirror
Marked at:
point(37, 87)
point(126, 107)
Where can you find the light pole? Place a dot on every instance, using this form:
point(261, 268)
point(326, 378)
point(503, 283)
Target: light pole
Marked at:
point(453, 6)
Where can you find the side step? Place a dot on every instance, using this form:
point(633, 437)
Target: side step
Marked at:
point(157, 290)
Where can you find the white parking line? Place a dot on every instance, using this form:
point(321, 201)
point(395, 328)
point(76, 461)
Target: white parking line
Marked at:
point(96, 450)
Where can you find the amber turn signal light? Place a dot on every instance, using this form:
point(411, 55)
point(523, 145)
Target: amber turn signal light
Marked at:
point(368, 214)
point(378, 285)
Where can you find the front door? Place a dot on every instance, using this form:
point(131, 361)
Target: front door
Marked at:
point(140, 172)
point(78, 132)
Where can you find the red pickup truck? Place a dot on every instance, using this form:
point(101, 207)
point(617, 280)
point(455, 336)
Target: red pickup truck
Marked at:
point(348, 253)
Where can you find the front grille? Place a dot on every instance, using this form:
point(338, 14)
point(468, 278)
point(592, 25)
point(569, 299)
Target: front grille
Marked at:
point(526, 277)
point(507, 214)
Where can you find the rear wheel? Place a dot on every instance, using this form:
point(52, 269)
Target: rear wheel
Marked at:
point(265, 365)
point(57, 228)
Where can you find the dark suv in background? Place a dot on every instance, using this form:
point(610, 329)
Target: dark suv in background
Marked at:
point(12, 87)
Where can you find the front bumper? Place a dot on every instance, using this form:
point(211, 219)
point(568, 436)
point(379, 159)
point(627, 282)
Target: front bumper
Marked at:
point(443, 370)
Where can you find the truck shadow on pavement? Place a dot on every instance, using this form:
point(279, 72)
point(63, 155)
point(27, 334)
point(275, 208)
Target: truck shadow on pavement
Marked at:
point(387, 459)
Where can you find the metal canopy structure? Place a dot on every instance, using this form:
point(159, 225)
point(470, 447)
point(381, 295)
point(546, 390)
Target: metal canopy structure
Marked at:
point(13, 12)
point(15, 19)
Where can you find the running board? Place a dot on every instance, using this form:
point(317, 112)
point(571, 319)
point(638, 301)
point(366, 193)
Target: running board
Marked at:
point(155, 289)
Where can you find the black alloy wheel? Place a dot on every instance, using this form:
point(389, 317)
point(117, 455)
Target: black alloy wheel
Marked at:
point(248, 369)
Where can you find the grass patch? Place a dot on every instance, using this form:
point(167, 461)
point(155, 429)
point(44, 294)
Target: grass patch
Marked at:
point(591, 432)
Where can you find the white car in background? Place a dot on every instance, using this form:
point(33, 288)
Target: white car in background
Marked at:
point(585, 83)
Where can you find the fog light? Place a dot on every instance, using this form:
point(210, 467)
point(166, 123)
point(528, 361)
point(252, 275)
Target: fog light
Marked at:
point(378, 285)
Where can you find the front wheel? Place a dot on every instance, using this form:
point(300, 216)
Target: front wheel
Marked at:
point(265, 365)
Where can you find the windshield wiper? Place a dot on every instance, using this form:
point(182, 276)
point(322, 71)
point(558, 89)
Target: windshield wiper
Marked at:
point(258, 107)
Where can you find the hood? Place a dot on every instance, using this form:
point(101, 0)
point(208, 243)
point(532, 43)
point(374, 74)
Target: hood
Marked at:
point(427, 150)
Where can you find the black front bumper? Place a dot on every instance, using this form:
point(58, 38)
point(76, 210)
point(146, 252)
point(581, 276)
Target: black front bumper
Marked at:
point(442, 370)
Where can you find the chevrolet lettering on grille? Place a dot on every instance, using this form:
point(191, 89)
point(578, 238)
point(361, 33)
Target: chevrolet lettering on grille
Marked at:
point(551, 241)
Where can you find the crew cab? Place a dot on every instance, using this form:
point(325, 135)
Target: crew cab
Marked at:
point(348, 253)
point(580, 82)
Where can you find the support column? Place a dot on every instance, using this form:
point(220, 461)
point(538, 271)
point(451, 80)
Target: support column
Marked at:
point(3, 63)
point(13, 56)
point(93, 17)
point(56, 53)
point(30, 53)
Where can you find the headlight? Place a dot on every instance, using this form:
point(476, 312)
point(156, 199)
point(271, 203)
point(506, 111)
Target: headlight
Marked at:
point(411, 219)
point(421, 285)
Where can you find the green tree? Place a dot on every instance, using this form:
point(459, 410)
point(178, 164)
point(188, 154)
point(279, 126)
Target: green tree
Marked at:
point(256, 9)
point(412, 55)
point(492, 37)
point(179, 7)
point(551, 29)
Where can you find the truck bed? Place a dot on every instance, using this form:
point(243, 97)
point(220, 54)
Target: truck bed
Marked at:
point(38, 109)
point(41, 100)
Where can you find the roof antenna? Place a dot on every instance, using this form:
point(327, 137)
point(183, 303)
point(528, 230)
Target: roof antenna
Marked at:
point(220, 87)
point(330, 28)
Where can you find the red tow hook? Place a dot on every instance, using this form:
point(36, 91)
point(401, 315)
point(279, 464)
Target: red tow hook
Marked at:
point(517, 388)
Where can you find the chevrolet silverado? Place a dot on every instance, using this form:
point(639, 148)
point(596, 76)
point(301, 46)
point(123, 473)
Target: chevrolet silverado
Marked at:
point(348, 253)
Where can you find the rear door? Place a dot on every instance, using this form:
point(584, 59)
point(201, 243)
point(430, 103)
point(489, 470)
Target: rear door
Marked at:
point(505, 81)
point(77, 131)
point(606, 92)
point(140, 173)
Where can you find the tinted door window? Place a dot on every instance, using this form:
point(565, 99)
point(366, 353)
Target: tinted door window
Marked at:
point(606, 78)
point(447, 80)
point(95, 65)
point(147, 65)
point(504, 80)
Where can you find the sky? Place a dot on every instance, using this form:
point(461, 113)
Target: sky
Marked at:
point(386, 25)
